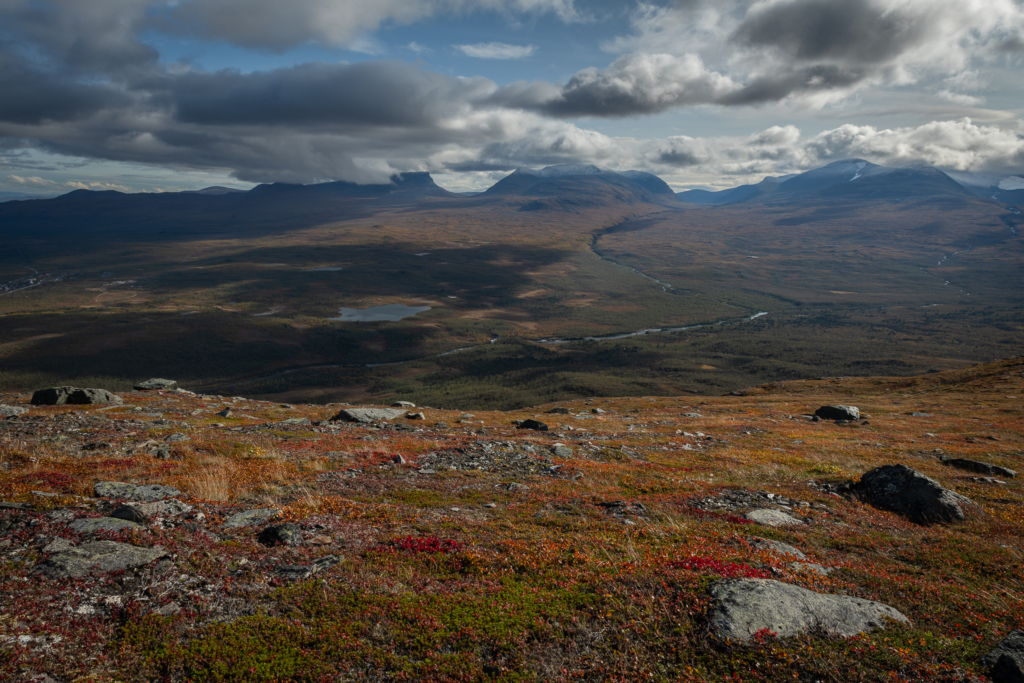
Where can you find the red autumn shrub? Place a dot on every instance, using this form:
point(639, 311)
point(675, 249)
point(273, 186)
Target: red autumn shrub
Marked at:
point(729, 570)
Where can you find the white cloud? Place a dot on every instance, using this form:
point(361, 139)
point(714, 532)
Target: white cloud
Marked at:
point(497, 50)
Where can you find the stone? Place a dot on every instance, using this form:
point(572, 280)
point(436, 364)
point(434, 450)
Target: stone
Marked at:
point(535, 425)
point(225, 413)
point(838, 412)
point(12, 411)
point(90, 525)
point(811, 568)
point(295, 421)
point(980, 467)
point(146, 493)
point(403, 404)
point(598, 411)
point(1007, 659)
point(367, 415)
point(58, 545)
point(415, 416)
point(776, 547)
point(560, 450)
point(131, 514)
point(54, 396)
point(281, 534)
point(178, 438)
point(156, 384)
point(399, 460)
point(97, 557)
point(907, 492)
point(692, 415)
point(142, 513)
point(91, 397)
point(770, 517)
point(744, 607)
point(250, 518)
point(558, 411)
point(293, 572)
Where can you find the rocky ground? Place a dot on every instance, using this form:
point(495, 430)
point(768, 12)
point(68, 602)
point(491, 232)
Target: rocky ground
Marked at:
point(164, 535)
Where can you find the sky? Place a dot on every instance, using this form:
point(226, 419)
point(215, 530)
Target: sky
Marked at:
point(170, 95)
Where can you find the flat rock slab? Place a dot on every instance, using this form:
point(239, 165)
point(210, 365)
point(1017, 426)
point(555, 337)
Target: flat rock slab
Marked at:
point(777, 547)
point(368, 415)
point(146, 493)
point(748, 606)
point(1006, 662)
point(403, 404)
point(770, 517)
point(907, 492)
point(90, 525)
point(12, 411)
point(143, 513)
point(970, 466)
point(96, 558)
point(250, 518)
point(156, 384)
point(838, 412)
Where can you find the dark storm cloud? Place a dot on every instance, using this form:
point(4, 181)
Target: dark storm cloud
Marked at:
point(365, 94)
point(853, 31)
point(1013, 44)
point(30, 96)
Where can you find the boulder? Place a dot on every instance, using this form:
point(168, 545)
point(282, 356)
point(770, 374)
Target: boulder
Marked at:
point(54, 396)
point(89, 397)
point(1006, 662)
point(143, 513)
point(368, 415)
point(12, 411)
point(980, 467)
point(770, 517)
point(250, 518)
point(281, 534)
point(90, 525)
point(146, 493)
point(295, 422)
point(415, 416)
point(97, 557)
point(744, 607)
point(155, 384)
point(557, 411)
point(838, 412)
point(907, 492)
point(535, 425)
point(560, 450)
point(777, 547)
point(403, 404)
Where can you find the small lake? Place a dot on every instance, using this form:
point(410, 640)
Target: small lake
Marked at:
point(389, 313)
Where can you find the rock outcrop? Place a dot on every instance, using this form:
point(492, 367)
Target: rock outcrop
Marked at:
point(838, 412)
point(907, 492)
point(95, 558)
point(368, 415)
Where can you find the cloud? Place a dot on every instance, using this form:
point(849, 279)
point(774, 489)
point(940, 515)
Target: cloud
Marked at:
point(497, 50)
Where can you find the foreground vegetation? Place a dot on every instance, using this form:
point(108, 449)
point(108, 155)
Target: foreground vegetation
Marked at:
point(539, 566)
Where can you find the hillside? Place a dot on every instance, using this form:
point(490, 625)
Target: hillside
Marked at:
point(460, 547)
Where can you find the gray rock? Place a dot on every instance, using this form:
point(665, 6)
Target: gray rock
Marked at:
point(131, 514)
point(560, 450)
point(154, 384)
point(58, 545)
point(97, 557)
point(54, 396)
point(907, 492)
point(535, 425)
point(90, 397)
point(770, 517)
point(225, 413)
point(178, 438)
point(980, 467)
point(367, 415)
point(90, 525)
point(1008, 669)
point(415, 416)
point(146, 493)
point(558, 411)
point(297, 572)
point(811, 568)
point(295, 421)
point(692, 415)
point(403, 404)
point(250, 518)
point(746, 606)
point(1011, 647)
point(776, 547)
point(598, 411)
point(143, 513)
point(12, 411)
point(838, 412)
point(281, 534)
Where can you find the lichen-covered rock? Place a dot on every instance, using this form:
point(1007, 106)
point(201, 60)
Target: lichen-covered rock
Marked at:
point(980, 467)
point(97, 557)
point(90, 525)
point(122, 491)
point(54, 396)
point(838, 412)
point(250, 518)
point(770, 517)
point(89, 397)
point(156, 384)
point(368, 415)
point(777, 547)
point(744, 607)
point(281, 534)
point(12, 411)
point(143, 513)
point(907, 492)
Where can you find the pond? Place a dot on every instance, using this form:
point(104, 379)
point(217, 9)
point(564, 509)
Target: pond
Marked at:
point(389, 313)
